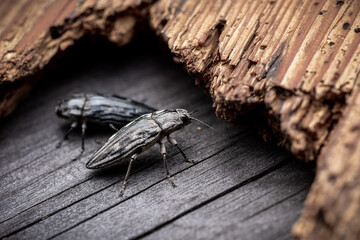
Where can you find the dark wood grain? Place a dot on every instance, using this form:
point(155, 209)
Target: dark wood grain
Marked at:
point(44, 194)
point(259, 210)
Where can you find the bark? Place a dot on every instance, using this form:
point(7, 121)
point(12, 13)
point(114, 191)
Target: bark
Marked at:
point(33, 32)
point(332, 208)
point(295, 62)
point(294, 59)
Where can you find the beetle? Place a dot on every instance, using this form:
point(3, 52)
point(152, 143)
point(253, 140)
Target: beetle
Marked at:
point(104, 109)
point(138, 136)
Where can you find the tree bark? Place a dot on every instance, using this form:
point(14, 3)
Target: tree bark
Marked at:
point(295, 62)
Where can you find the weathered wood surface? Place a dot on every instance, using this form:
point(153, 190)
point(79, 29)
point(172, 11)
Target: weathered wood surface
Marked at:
point(295, 62)
point(337, 185)
point(239, 181)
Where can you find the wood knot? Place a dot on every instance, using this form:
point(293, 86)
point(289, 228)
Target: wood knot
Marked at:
point(56, 31)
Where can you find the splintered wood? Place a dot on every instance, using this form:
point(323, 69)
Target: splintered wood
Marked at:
point(33, 32)
point(296, 62)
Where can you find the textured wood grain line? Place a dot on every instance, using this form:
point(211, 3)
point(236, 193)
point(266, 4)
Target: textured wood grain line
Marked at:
point(245, 211)
point(8, 11)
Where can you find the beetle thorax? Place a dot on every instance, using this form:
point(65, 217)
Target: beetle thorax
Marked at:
point(171, 120)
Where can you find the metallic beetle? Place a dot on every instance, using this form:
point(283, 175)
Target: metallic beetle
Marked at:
point(104, 109)
point(138, 136)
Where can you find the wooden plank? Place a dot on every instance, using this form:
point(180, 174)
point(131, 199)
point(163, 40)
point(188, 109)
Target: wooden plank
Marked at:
point(147, 203)
point(47, 195)
point(262, 209)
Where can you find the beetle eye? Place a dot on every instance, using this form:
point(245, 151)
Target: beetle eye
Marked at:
point(184, 119)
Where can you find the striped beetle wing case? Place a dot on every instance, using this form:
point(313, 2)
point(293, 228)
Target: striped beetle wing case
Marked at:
point(101, 108)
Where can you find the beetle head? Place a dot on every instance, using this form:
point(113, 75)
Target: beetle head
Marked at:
point(70, 108)
point(184, 116)
point(60, 109)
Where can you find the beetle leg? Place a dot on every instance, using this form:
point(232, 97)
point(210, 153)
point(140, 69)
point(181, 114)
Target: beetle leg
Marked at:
point(113, 127)
point(174, 143)
point(133, 157)
point(163, 153)
point(83, 129)
point(72, 127)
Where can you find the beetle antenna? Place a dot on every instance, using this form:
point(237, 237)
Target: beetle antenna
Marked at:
point(201, 122)
point(192, 112)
